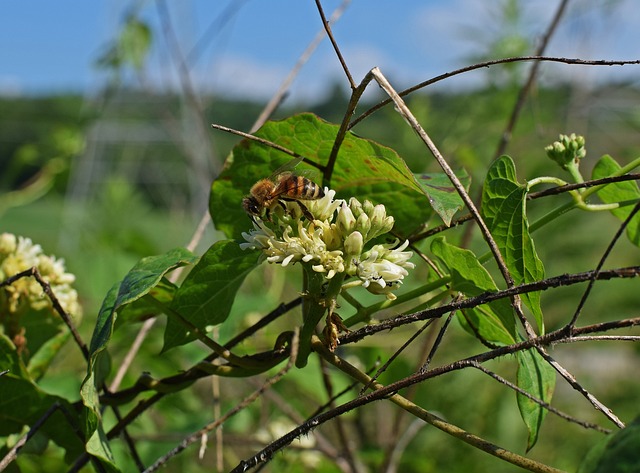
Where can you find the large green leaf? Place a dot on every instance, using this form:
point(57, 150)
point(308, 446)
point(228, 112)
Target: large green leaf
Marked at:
point(443, 196)
point(142, 278)
point(364, 169)
point(538, 378)
point(493, 322)
point(504, 211)
point(207, 294)
point(617, 453)
point(619, 192)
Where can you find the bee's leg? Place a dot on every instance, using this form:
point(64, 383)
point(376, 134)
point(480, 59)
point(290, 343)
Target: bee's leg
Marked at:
point(305, 211)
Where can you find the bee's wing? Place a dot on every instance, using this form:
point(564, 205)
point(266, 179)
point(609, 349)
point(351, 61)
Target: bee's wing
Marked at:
point(289, 166)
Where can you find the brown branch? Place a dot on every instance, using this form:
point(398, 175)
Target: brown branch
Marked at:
point(540, 402)
point(46, 287)
point(391, 390)
point(271, 144)
point(582, 185)
point(356, 93)
point(484, 298)
point(482, 65)
point(404, 111)
point(327, 27)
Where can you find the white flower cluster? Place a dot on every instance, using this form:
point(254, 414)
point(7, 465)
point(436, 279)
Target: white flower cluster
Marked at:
point(334, 241)
point(18, 254)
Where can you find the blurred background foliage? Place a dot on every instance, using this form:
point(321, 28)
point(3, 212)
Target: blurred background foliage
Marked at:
point(106, 179)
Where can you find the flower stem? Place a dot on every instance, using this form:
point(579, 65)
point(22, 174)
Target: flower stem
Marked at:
point(314, 307)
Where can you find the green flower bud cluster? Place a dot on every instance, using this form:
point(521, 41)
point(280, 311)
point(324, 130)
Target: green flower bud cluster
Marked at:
point(334, 242)
point(568, 150)
point(18, 254)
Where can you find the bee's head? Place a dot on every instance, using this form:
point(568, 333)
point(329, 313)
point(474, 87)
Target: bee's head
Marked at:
point(251, 205)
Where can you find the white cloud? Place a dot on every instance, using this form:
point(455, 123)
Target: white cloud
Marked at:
point(10, 86)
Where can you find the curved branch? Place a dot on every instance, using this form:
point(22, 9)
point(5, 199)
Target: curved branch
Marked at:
point(482, 65)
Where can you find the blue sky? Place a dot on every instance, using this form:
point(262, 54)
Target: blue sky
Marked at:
point(51, 46)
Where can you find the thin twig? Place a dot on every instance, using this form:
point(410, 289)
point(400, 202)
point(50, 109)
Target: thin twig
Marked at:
point(549, 407)
point(12, 454)
point(395, 355)
point(582, 185)
point(271, 144)
point(607, 251)
point(279, 96)
point(46, 287)
point(485, 298)
point(324, 444)
point(598, 338)
point(343, 438)
point(530, 196)
point(37, 425)
point(404, 111)
point(608, 413)
point(327, 27)
point(356, 93)
point(482, 65)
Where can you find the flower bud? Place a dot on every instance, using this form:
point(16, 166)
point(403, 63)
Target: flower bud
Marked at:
point(353, 244)
point(380, 222)
point(569, 149)
point(346, 221)
point(363, 225)
point(356, 207)
point(367, 207)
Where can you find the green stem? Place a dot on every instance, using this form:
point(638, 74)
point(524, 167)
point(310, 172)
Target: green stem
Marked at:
point(314, 307)
point(364, 314)
point(572, 168)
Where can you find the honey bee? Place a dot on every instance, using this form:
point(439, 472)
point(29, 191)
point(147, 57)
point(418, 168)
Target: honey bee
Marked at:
point(281, 186)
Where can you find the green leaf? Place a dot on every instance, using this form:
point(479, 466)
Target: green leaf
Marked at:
point(142, 278)
point(538, 378)
point(144, 308)
point(134, 42)
point(207, 294)
point(619, 192)
point(504, 211)
point(23, 402)
point(493, 322)
point(364, 169)
point(617, 453)
point(444, 198)
point(40, 361)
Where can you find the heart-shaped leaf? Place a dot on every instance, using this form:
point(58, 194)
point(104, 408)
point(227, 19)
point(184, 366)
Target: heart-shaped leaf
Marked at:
point(504, 211)
point(364, 169)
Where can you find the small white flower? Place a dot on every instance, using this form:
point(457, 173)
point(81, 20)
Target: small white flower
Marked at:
point(334, 241)
point(382, 269)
